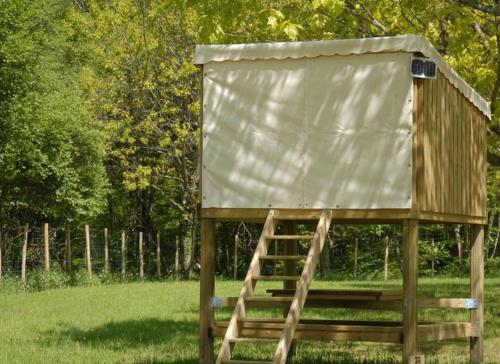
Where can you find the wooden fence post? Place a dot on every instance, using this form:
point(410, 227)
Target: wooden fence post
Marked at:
point(68, 249)
point(46, 246)
point(158, 255)
point(87, 250)
point(123, 255)
point(235, 266)
point(106, 252)
point(433, 257)
point(177, 253)
point(386, 258)
point(25, 249)
point(141, 258)
point(356, 242)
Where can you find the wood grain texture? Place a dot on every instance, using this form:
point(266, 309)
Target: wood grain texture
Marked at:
point(477, 291)
point(453, 142)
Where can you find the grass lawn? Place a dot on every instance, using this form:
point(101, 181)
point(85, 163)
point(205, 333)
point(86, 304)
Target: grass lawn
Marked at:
point(158, 323)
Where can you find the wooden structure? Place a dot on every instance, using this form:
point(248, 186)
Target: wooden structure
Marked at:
point(337, 132)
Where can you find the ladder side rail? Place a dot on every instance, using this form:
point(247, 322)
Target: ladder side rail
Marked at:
point(239, 312)
point(300, 296)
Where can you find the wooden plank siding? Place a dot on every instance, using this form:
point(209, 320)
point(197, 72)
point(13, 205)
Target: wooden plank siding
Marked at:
point(453, 148)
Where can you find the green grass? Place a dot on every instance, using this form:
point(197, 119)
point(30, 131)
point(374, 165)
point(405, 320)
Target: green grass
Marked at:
point(158, 323)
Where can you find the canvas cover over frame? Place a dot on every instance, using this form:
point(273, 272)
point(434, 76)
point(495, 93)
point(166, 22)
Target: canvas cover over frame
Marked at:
point(324, 132)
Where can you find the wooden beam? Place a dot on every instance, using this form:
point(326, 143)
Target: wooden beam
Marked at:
point(410, 277)
point(477, 290)
point(464, 303)
point(444, 331)
point(290, 250)
point(207, 289)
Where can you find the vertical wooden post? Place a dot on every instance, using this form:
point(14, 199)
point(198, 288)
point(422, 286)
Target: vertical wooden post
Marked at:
point(477, 290)
point(158, 255)
point(177, 253)
point(207, 290)
point(386, 258)
point(106, 251)
point(25, 250)
point(291, 248)
point(356, 242)
point(68, 249)
point(410, 279)
point(87, 250)
point(433, 257)
point(141, 257)
point(124, 262)
point(235, 264)
point(46, 246)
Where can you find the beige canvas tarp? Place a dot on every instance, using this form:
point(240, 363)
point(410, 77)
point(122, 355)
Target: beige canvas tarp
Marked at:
point(311, 132)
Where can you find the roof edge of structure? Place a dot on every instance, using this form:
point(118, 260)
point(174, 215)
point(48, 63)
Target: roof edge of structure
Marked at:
point(309, 49)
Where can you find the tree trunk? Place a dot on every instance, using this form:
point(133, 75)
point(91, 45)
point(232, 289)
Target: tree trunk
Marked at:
point(324, 261)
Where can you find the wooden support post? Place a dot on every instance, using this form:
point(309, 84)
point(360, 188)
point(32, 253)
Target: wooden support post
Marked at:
point(46, 246)
point(25, 250)
point(158, 255)
point(141, 257)
point(291, 248)
point(177, 258)
point(68, 249)
point(124, 262)
point(87, 250)
point(410, 281)
point(356, 242)
point(106, 251)
point(386, 258)
point(477, 290)
point(207, 290)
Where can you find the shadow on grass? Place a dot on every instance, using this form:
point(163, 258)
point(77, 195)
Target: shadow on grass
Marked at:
point(166, 336)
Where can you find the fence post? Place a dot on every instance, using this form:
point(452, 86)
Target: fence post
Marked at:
point(123, 254)
point(1, 243)
point(46, 246)
point(68, 248)
point(106, 252)
point(25, 249)
point(235, 269)
point(141, 258)
point(158, 255)
point(386, 258)
point(177, 267)
point(356, 241)
point(87, 249)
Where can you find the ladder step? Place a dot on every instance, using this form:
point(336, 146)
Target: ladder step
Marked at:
point(283, 257)
point(270, 300)
point(246, 362)
point(276, 278)
point(252, 340)
point(289, 237)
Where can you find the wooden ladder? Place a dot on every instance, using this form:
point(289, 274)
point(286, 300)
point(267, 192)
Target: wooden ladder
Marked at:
point(233, 334)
